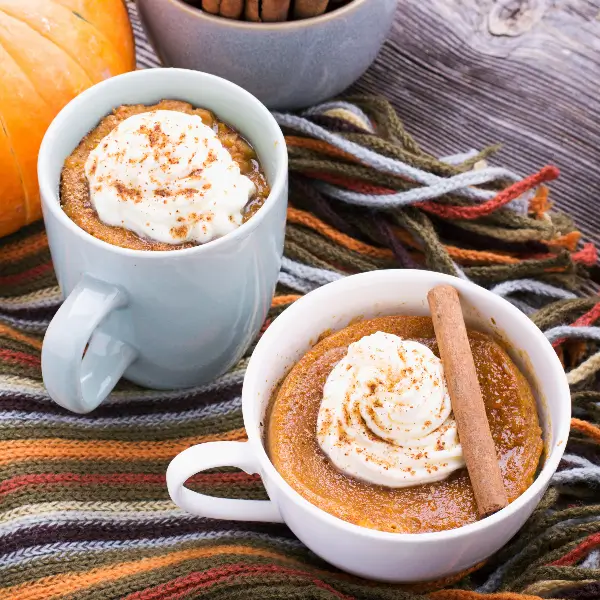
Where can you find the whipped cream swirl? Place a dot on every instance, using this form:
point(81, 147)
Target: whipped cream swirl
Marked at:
point(165, 175)
point(386, 416)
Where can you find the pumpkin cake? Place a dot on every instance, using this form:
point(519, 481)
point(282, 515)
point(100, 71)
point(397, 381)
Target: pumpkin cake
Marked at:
point(362, 427)
point(162, 177)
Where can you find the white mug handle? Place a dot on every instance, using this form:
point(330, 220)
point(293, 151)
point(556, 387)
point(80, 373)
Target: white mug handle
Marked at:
point(80, 364)
point(209, 456)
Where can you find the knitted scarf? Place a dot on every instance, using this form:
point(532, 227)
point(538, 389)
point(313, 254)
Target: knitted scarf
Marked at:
point(84, 511)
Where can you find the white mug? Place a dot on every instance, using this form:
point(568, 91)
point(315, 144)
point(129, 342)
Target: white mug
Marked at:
point(366, 552)
point(166, 319)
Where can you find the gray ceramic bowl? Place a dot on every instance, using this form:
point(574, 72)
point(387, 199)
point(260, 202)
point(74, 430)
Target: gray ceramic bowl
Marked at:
point(286, 65)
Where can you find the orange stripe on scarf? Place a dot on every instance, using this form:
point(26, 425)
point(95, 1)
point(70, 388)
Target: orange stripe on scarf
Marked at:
point(301, 217)
point(464, 256)
point(539, 204)
point(280, 300)
point(568, 241)
point(467, 595)
point(587, 428)
point(11, 332)
point(52, 448)
point(320, 146)
point(61, 585)
point(24, 248)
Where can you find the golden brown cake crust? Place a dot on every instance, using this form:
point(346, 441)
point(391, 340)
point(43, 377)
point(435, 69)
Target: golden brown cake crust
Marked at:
point(293, 448)
point(74, 189)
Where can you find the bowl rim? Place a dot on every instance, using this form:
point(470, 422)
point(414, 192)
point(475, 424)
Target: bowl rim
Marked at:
point(275, 25)
point(560, 430)
point(50, 197)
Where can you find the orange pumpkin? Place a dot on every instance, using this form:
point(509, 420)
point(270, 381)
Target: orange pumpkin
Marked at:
point(50, 51)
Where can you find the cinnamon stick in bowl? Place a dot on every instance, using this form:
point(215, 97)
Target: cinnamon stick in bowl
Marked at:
point(232, 9)
point(474, 432)
point(211, 6)
point(304, 9)
point(270, 11)
point(252, 12)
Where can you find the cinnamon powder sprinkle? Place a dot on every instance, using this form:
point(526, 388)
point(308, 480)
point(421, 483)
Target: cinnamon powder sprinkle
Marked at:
point(157, 138)
point(210, 158)
point(179, 232)
point(127, 193)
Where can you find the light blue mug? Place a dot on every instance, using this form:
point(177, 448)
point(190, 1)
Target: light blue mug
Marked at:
point(169, 319)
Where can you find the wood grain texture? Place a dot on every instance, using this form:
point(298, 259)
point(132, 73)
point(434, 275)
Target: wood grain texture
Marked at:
point(467, 73)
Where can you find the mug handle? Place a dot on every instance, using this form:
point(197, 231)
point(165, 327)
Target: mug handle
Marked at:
point(209, 456)
point(77, 378)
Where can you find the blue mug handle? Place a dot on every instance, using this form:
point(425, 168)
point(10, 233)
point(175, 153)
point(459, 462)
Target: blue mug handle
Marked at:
point(81, 364)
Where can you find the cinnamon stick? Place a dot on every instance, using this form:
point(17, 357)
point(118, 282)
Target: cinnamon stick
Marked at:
point(474, 432)
point(211, 6)
point(252, 10)
point(275, 10)
point(231, 9)
point(304, 9)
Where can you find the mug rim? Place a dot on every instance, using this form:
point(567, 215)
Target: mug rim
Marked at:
point(50, 198)
point(559, 430)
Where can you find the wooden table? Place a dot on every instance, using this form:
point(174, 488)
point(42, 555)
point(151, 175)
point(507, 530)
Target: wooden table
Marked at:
point(526, 73)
